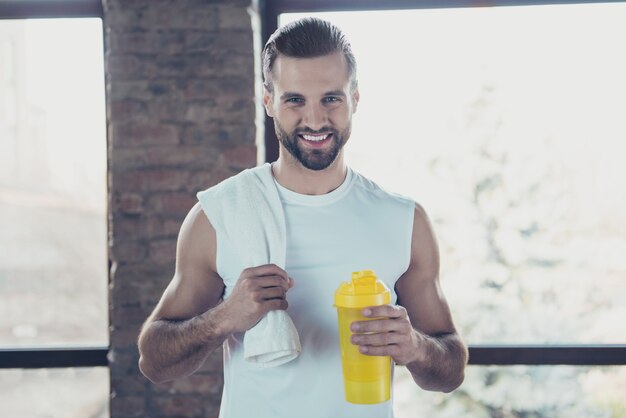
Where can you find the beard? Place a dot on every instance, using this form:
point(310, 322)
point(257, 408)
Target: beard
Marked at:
point(313, 159)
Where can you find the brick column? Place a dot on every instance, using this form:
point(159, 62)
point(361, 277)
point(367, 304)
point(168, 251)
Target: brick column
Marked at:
point(180, 78)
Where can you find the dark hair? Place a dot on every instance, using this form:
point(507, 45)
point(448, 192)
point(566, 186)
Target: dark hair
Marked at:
point(309, 37)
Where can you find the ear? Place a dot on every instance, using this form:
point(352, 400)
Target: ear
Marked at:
point(267, 102)
point(355, 97)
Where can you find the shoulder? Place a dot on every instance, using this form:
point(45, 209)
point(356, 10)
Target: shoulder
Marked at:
point(262, 172)
point(424, 248)
point(197, 220)
point(197, 238)
point(419, 214)
point(230, 192)
point(374, 190)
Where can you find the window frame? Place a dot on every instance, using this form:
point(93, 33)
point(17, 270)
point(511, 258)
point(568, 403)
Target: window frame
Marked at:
point(42, 9)
point(59, 356)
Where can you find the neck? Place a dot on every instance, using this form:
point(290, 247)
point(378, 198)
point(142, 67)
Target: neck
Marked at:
point(292, 175)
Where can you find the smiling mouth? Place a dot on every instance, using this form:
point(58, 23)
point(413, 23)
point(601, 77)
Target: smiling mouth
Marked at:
point(315, 139)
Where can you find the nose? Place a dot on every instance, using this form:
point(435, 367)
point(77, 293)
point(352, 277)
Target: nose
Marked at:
point(315, 117)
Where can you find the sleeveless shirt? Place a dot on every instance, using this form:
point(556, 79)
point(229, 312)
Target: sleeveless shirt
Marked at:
point(357, 226)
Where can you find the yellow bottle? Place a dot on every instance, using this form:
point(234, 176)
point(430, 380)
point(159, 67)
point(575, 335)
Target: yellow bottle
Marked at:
point(367, 379)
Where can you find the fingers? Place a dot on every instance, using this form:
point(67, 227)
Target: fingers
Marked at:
point(258, 290)
point(265, 270)
point(266, 286)
point(379, 339)
point(387, 350)
point(277, 304)
point(395, 319)
point(269, 281)
point(270, 293)
point(268, 275)
point(382, 325)
point(385, 311)
point(257, 285)
point(391, 335)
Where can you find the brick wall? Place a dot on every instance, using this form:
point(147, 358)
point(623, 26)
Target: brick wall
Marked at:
point(181, 117)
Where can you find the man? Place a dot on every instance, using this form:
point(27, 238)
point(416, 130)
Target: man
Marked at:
point(337, 222)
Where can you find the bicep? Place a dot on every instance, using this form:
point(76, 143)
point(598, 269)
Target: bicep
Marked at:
point(418, 289)
point(196, 286)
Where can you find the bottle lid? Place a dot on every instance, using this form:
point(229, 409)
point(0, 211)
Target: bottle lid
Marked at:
point(362, 291)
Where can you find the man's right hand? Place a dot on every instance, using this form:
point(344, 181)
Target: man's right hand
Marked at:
point(259, 290)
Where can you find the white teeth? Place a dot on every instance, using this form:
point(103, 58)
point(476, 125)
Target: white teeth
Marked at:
point(315, 138)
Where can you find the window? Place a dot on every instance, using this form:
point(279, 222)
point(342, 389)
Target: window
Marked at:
point(512, 141)
point(53, 216)
point(518, 391)
point(53, 262)
point(59, 392)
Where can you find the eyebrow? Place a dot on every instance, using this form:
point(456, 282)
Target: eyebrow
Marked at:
point(289, 95)
point(335, 93)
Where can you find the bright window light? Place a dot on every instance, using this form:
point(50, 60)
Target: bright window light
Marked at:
point(507, 124)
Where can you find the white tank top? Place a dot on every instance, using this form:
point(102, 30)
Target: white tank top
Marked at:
point(357, 226)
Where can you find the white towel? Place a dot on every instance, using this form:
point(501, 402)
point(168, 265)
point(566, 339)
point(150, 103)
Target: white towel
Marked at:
point(246, 210)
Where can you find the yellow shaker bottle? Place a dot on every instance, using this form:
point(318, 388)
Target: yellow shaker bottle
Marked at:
point(367, 379)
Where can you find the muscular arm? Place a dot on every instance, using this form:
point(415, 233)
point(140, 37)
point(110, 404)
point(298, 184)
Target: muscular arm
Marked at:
point(440, 358)
point(419, 332)
point(189, 322)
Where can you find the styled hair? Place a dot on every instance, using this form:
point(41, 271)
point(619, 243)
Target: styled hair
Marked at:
point(309, 37)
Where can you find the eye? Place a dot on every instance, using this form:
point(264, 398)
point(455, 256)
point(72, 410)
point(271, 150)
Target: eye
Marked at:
point(296, 100)
point(331, 99)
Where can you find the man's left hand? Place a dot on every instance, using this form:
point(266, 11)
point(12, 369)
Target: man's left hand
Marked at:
point(389, 334)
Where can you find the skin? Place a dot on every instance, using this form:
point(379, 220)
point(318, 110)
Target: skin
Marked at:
point(309, 95)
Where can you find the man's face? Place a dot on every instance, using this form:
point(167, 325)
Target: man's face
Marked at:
point(312, 106)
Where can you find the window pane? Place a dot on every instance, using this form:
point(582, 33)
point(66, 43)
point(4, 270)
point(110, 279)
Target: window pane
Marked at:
point(55, 393)
point(519, 391)
point(507, 124)
point(53, 257)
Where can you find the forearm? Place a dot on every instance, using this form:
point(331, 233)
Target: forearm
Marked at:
point(172, 349)
point(441, 362)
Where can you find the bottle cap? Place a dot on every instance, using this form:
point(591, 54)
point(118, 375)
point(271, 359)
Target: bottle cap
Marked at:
point(363, 290)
